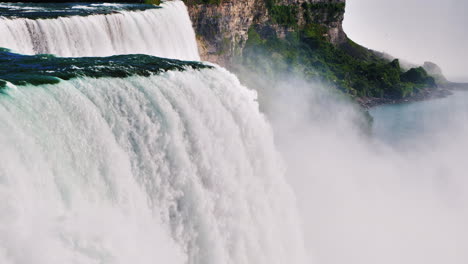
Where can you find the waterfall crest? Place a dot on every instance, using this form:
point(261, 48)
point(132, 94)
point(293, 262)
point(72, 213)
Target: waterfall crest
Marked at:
point(164, 32)
point(133, 158)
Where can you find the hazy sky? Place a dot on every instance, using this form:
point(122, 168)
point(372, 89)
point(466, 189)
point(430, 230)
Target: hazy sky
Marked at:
point(414, 30)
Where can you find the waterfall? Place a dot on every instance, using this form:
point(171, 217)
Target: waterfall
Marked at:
point(164, 32)
point(116, 161)
point(178, 167)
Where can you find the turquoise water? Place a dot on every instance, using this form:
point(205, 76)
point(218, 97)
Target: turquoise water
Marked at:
point(54, 10)
point(47, 69)
point(401, 124)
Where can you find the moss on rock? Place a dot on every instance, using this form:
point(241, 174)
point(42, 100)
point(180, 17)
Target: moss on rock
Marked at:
point(152, 2)
point(284, 15)
point(352, 69)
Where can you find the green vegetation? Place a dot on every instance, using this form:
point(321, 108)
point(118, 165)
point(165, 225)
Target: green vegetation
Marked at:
point(204, 2)
point(351, 68)
point(322, 11)
point(152, 2)
point(284, 15)
point(329, 8)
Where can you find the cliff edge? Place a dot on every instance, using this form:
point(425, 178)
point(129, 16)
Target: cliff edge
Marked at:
point(303, 37)
point(222, 25)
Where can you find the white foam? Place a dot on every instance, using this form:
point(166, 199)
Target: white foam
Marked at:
point(165, 32)
point(176, 168)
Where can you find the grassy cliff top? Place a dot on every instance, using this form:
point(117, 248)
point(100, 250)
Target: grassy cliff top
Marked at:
point(350, 67)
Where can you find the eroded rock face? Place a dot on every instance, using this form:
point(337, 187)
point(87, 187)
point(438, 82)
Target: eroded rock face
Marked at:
point(222, 29)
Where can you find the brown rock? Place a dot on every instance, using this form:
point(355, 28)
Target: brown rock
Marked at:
point(222, 30)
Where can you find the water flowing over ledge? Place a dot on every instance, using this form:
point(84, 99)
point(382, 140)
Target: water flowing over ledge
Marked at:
point(56, 10)
point(20, 69)
point(178, 167)
point(164, 32)
point(134, 158)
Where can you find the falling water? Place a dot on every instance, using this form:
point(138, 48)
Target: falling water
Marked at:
point(164, 32)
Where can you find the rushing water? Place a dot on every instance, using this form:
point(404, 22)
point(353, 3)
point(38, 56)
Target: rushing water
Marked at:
point(134, 158)
point(174, 168)
point(21, 69)
point(56, 10)
point(139, 159)
point(163, 32)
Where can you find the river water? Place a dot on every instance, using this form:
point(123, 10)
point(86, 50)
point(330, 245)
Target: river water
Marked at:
point(403, 124)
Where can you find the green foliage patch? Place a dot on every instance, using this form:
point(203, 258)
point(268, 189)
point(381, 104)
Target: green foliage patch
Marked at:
point(351, 68)
point(152, 2)
point(323, 12)
point(202, 2)
point(284, 15)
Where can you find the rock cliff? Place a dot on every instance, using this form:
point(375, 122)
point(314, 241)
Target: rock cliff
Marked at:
point(222, 25)
point(299, 37)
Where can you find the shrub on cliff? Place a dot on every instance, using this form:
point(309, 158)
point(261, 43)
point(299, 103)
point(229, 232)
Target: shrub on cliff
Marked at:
point(322, 11)
point(152, 2)
point(284, 15)
point(418, 76)
point(204, 2)
point(359, 73)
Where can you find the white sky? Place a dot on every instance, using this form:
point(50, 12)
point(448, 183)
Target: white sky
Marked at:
point(413, 30)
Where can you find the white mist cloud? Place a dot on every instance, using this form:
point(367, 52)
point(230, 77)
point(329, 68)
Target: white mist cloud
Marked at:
point(363, 201)
point(415, 30)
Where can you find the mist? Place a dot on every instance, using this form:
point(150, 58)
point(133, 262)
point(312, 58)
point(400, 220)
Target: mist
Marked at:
point(414, 30)
point(365, 200)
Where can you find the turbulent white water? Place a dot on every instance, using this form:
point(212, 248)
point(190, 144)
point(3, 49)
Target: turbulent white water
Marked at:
point(164, 32)
point(174, 168)
point(181, 167)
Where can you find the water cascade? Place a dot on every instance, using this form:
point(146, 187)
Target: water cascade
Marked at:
point(163, 32)
point(114, 160)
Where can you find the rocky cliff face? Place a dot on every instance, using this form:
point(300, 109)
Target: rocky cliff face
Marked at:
point(222, 25)
point(303, 38)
